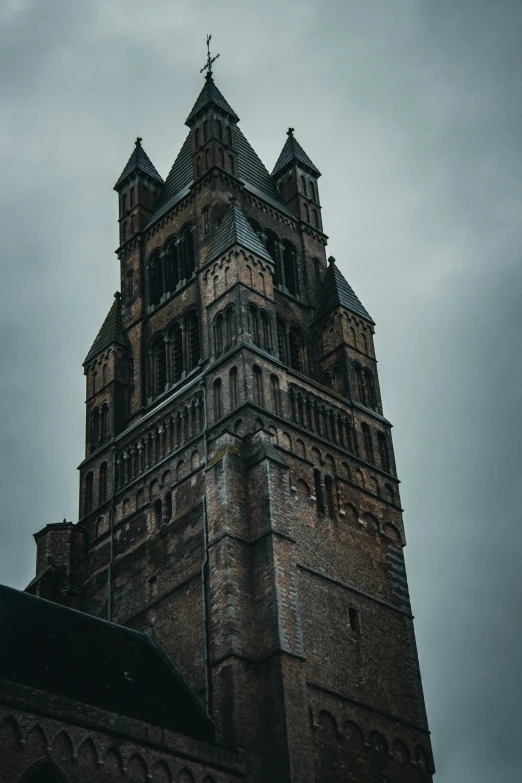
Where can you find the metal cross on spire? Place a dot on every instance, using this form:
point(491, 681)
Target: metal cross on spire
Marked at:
point(208, 65)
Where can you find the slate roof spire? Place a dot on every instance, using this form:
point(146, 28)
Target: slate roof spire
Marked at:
point(335, 292)
point(210, 96)
point(235, 229)
point(111, 332)
point(292, 152)
point(139, 161)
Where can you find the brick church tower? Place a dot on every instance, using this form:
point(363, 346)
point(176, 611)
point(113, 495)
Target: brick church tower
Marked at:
point(239, 502)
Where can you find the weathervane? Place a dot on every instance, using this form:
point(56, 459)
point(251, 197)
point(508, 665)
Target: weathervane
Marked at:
point(208, 65)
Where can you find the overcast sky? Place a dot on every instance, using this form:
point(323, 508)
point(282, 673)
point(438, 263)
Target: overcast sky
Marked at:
point(412, 110)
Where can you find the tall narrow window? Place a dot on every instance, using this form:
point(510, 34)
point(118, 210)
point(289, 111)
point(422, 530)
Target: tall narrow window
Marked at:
point(217, 399)
point(124, 204)
point(329, 493)
point(368, 445)
point(133, 224)
point(176, 343)
point(317, 271)
point(290, 269)
point(221, 158)
point(198, 167)
point(359, 380)
point(125, 230)
point(370, 389)
point(168, 505)
point(159, 367)
point(312, 191)
point(315, 217)
point(258, 385)
point(130, 284)
point(102, 483)
point(206, 222)
point(232, 379)
point(303, 186)
point(187, 254)
point(353, 617)
point(171, 264)
point(318, 492)
point(272, 246)
point(104, 423)
point(219, 130)
point(158, 512)
point(383, 452)
point(266, 331)
point(132, 196)
point(231, 166)
point(89, 487)
point(281, 340)
point(156, 280)
point(207, 160)
point(306, 213)
point(253, 324)
point(194, 350)
point(275, 393)
point(229, 135)
point(205, 130)
point(197, 137)
point(218, 332)
point(295, 344)
point(230, 329)
point(95, 429)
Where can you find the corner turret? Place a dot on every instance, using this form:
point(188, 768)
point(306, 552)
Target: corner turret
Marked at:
point(138, 187)
point(296, 177)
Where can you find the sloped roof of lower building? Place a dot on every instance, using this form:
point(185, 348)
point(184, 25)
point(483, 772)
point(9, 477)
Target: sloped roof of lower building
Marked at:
point(335, 291)
point(62, 651)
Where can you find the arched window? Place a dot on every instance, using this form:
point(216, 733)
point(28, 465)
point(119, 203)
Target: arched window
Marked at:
point(232, 380)
point(205, 130)
point(290, 275)
point(206, 220)
point(168, 505)
point(89, 492)
point(368, 445)
point(329, 493)
point(318, 492)
point(217, 399)
point(193, 341)
point(371, 398)
point(312, 190)
point(132, 197)
point(281, 340)
point(303, 186)
point(328, 749)
point(218, 333)
point(253, 324)
point(197, 137)
point(221, 158)
point(158, 512)
point(95, 429)
point(275, 393)
point(176, 349)
point(359, 380)
point(266, 331)
point(315, 217)
point(125, 230)
point(337, 379)
point(158, 367)
point(258, 386)
point(306, 213)
point(383, 452)
point(272, 247)
point(43, 773)
point(219, 130)
point(124, 203)
point(295, 345)
point(327, 380)
point(187, 254)
point(229, 135)
point(231, 166)
point(104, 423)
point(102, 483)
point(207, 160)
point(230, 326)
point(171, 265)
point(155, 279)
point(133, 224)
point(130, 285)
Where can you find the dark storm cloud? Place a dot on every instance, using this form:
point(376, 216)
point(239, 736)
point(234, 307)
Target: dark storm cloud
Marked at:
point(413, 112)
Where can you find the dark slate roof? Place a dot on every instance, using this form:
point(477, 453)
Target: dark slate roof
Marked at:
point(293, 151)
point(334, 292)
point(112, 331)
point(210, 95)
point(235, 229)
point(59, 650)
point(138, 161)
point(178, 181)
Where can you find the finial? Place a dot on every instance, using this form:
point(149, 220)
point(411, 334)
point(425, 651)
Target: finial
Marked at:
point(331, 260)
point(117, 296)
point(208, 65)
point(290, 132)
point(138, 141)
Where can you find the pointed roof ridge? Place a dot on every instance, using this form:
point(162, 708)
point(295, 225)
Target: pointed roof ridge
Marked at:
point(210, 95)
point(292, 150)
point(335, 291)
point(235, 229)
point(111, 332)
point(138, 161)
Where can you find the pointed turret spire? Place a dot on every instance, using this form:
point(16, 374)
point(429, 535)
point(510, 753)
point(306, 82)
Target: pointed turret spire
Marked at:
point(210, 96)
point(334, 292)
point(293, 152)
point(111, 332)
point(235, 229)
point(139, 161)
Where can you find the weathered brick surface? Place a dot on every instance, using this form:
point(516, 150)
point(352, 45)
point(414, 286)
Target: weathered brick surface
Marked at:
point(272, 575)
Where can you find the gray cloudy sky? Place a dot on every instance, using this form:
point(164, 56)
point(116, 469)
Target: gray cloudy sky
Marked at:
point(412, 109)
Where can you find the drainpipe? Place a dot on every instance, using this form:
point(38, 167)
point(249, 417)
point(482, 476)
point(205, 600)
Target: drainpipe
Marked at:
point(111, 544)
point(205, 569)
